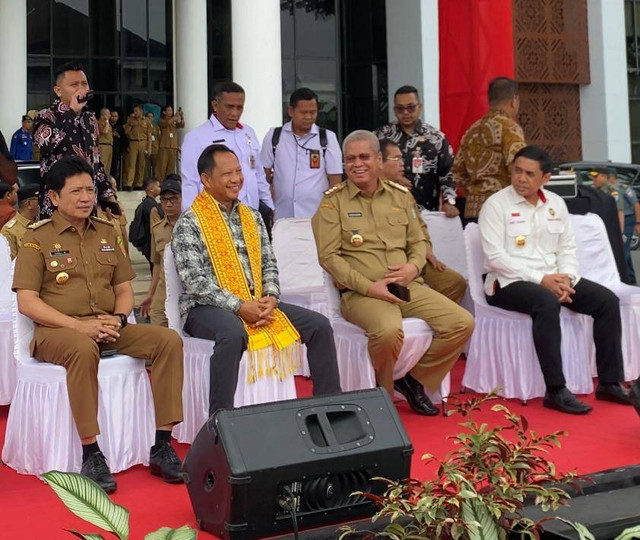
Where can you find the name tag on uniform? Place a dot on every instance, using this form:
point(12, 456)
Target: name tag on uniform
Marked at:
point(417, 165)
point(314, 159)
point(106, 248)
point(59, 253)
point(354, 214)
point(252, 161)
point(153, 137)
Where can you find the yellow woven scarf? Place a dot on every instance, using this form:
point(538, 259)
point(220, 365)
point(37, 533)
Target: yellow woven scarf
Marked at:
point(273, 349)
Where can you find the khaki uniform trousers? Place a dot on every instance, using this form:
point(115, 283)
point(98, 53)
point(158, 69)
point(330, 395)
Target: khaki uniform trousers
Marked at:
point(79, 355)
point(166, 162)
point(134, 163)
point(382, 322)
point(106, 155)
point(448, 282)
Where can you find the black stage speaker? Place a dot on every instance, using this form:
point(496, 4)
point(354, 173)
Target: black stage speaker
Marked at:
point(248, 467)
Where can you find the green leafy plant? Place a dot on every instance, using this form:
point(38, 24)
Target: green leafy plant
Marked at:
point(584, 534)
point(480, 488)
point(88, 501)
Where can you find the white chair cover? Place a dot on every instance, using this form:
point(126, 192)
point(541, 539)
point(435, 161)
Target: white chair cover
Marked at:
point(8, 369)
point(597, 264)
point(41, 434)
point(197, 356)
point(502, 353)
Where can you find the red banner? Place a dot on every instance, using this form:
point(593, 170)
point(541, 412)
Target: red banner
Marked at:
point(476, 45)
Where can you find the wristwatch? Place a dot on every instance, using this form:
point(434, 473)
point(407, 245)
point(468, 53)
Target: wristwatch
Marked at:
point(451, 201)
point(123, 319)
point(572, 280)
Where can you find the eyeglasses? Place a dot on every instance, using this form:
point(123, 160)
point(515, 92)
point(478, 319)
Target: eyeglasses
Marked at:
point(401, 109)
point(172, 200)
point(352, 159)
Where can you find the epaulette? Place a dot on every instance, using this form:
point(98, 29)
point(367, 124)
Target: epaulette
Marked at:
point(397, 186)
point(38, 223)
point(333, 190)
point(10, 223)
point(102, 220)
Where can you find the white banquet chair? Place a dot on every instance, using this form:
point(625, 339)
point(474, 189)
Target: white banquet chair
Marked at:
point(8, 368)
point(596, 263)
point(197, 356)
point(502, 353)
point(41, 435)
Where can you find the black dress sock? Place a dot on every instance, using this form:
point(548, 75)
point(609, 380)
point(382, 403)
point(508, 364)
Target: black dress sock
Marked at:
point(163, 436)
point(89, 449)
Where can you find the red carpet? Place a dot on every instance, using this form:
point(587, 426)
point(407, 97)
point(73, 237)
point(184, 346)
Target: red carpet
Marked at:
point(608, 437)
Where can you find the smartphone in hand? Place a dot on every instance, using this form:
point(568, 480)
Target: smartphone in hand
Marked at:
point(399, 291)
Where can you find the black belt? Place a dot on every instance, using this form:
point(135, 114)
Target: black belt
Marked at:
point(342, 291)
point(105, 144)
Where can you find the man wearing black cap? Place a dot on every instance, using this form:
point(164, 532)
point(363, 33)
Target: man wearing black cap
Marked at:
point(8, 199)
point(22, 140)
point(15, 228)
point(171, 202)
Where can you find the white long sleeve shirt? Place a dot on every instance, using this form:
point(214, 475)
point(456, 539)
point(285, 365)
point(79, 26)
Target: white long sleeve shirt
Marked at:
point(244, 142)
point(523, 242)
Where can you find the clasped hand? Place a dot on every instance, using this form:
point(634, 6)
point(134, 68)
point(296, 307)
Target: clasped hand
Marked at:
point(102, 329)
point(258, 312)
point(560, 285)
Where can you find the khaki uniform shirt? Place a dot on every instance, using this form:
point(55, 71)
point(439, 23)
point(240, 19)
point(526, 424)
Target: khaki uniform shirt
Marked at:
point(390, 227)
point(169, 132)
point(14, 230)
point(160, 237)
point(481, 165)
point(73, 274)
point(105, 135)
point(155, 138)
point(616, 193)
point(137, 129)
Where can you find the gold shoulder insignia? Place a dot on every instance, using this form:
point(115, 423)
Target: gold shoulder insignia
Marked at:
point(397, 186)
point(38, 223)
point(333, 190)
point(102, 220)
point(31, 245)
point(10, 223)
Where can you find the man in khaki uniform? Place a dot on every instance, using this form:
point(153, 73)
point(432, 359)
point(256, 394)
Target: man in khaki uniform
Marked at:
point(138, 131)
point(15, 228)
point(74, 282)
point(171, 202)
point(435, 274)
point(155, 140)
point(369, 235)
point(168, 153)
point(105, 139)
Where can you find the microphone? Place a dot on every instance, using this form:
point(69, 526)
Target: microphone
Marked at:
point(87, 97)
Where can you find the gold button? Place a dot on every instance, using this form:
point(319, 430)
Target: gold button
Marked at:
point(62, 278)
point(53, 264)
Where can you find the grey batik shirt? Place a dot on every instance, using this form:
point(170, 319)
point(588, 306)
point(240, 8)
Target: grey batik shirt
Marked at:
point(195, 268)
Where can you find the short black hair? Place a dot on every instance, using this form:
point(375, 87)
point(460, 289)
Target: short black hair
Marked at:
point(67, 66)
point(228, 87)
point(385, 144)
point(164, 109)
point(147, 182)
point(137, 106)
point(406, 89)
point(501, 89)
point(207, 160)
point(173, 176)
point(536, 154)
point(62, 169)
point(302, 94)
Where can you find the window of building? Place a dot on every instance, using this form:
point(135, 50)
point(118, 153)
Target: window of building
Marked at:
point(632, 23)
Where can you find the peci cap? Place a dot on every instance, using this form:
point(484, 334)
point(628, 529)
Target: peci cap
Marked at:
point(170, 185)
point(26, 118)
point(28, 191)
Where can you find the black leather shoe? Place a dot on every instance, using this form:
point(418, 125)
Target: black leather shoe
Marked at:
point(614, 393)
point(96, 468)
point(634, 395)
point(565, 401)
point(164, 462)
point(413, 391)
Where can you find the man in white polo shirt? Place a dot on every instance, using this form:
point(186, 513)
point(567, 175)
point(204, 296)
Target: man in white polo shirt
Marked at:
point(224, 127)
point(301, 160)
point(530, 250)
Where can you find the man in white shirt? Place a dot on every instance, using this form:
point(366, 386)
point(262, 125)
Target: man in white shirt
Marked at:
point(530, 249)
point(301, 160)
point(224, 127)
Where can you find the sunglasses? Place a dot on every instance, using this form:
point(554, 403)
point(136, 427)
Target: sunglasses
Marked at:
point(401, 109)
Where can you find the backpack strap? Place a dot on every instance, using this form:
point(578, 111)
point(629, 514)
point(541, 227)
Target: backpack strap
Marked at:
point(275, 139)
point(323, 141)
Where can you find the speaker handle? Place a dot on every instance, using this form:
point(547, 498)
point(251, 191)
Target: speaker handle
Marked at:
point(327, 430)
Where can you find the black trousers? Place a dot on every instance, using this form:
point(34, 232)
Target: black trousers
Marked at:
point(227, 330)
point(543, 307)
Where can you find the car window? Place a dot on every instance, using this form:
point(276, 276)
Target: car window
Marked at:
point(30, 175)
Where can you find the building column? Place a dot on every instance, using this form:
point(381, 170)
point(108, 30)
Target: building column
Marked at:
point(604, 104)
point(413, 53)
point(257, 61)
point(190, 61)
point(13, 65)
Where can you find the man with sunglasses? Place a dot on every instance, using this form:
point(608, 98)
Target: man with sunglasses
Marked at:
point(426, 152)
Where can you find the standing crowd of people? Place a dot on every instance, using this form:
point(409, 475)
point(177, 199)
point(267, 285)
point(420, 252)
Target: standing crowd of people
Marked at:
point(364, 199)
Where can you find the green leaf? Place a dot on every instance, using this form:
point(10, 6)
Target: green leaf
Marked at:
point(582, 531)
point(88, 501)
point(480, 522)
point(165, 533)
point(90, 536)
point(629, 534)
